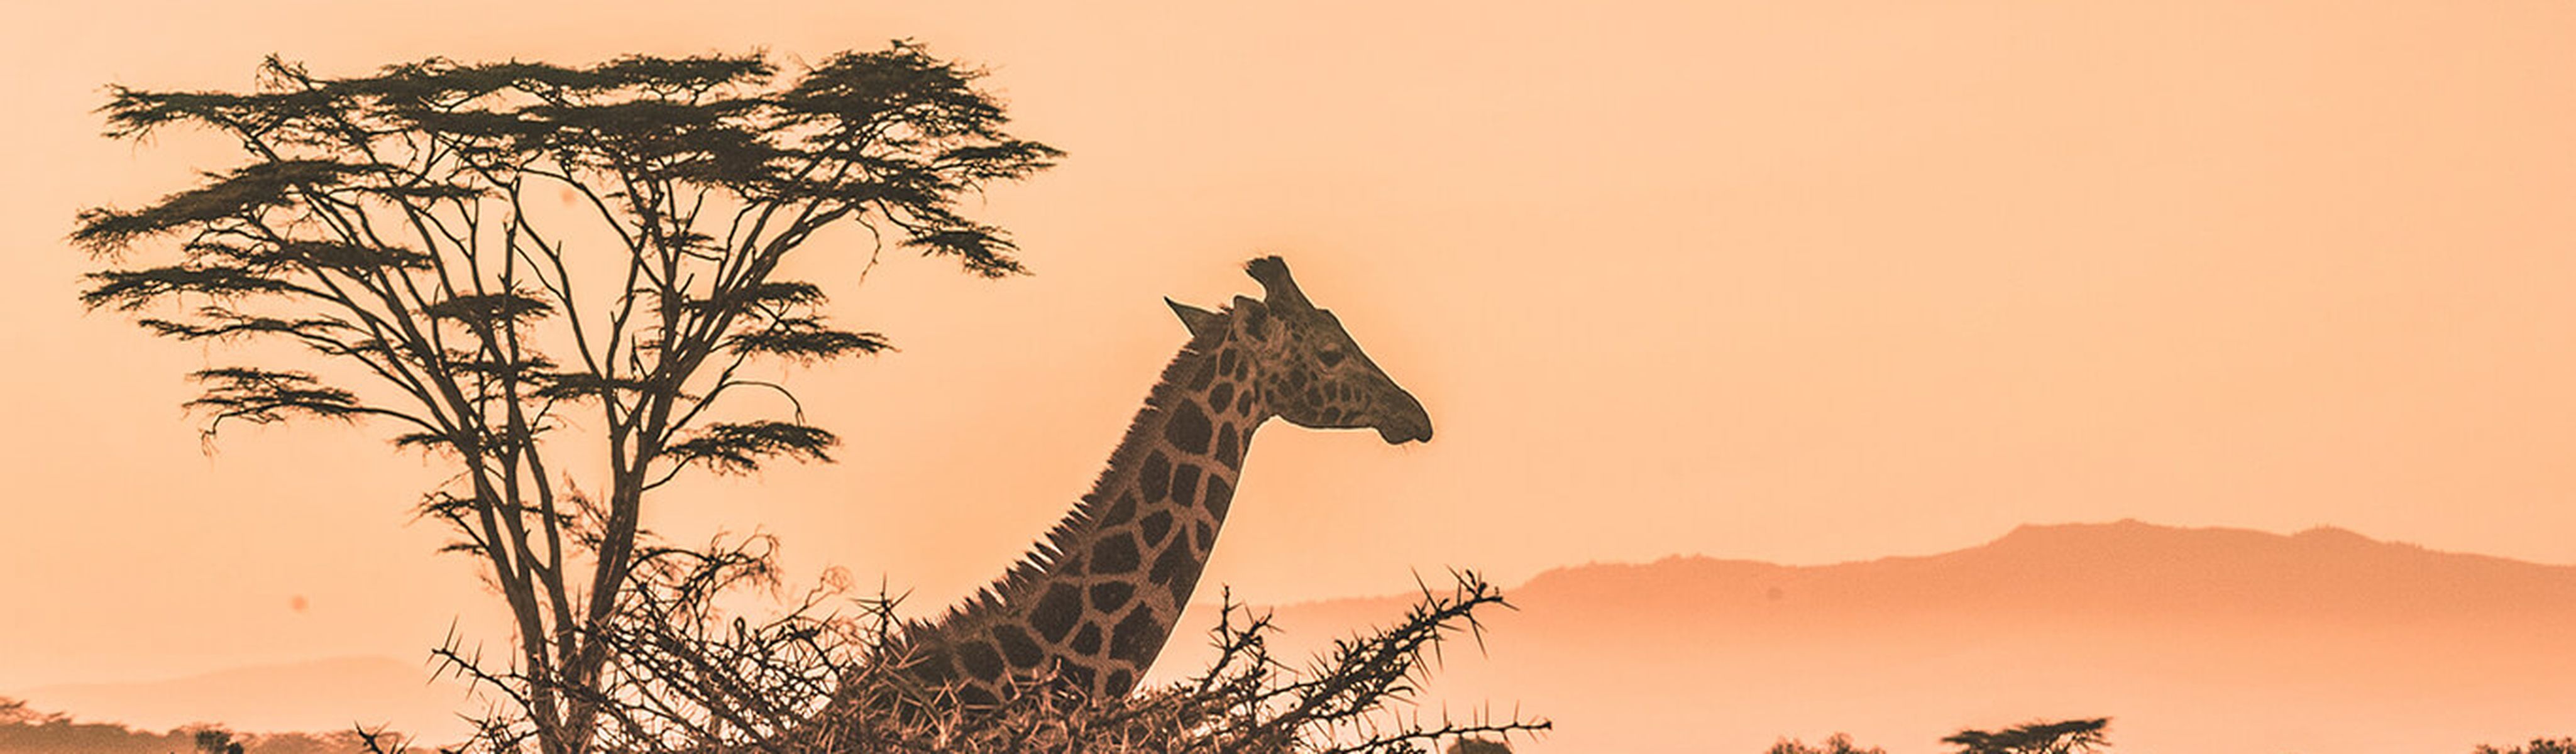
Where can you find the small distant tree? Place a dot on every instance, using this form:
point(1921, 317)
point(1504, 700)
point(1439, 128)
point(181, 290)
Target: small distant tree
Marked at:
point(217, 741)
point(2537, 746)
point(2064, 737)
point(16, 712)
point(1837, 744)
point(495, 258)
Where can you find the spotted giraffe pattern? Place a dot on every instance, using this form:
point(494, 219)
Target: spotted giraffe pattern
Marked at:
point(1097, 598)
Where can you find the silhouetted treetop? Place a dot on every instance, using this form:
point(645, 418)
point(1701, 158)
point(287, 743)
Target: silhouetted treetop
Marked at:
point(894, 131)
point(2062, 737)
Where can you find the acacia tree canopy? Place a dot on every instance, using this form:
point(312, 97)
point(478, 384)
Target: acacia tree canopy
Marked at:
point(2061, 737)
point(410, 228)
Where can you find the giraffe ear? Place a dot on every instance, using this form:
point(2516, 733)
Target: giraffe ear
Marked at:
point(1200, 321)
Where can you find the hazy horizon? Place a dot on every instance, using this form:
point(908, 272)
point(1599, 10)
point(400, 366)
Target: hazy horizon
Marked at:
point(2132, 620)
point(1398, 587)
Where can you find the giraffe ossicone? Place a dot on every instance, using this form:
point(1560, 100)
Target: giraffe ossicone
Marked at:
point(1094, 601)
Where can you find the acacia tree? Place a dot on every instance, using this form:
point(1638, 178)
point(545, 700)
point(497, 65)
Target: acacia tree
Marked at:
point(2061, 737)
point(396, 226)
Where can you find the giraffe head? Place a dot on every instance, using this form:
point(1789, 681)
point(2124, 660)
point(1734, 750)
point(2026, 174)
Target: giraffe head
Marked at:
point(1309, 370)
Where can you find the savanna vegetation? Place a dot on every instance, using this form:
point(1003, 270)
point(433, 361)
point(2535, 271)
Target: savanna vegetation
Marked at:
point(1835, 744)
point(2062, 737)
point(2073, 737)
point(23, 729)
point(2537, 746)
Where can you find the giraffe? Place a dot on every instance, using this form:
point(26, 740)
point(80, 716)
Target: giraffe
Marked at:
point(1095, 600)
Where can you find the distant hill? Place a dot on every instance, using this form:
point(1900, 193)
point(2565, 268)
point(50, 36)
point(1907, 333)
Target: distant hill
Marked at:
point(316, 696)
point(2215, 641)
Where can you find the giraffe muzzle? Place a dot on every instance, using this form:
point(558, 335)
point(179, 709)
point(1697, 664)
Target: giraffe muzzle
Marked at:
point(1405, 421)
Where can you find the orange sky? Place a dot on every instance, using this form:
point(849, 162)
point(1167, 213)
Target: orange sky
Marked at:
point(1801, 282)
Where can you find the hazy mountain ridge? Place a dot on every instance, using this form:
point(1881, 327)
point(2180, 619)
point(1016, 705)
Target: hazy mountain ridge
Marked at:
point(320, 696)
point(2188, 637)
point(2121, 570)
point(2117, 568)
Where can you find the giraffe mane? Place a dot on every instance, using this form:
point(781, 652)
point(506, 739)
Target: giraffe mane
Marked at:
point(1043, 554)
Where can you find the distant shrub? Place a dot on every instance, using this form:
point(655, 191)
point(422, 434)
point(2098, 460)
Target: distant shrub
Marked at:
point(1838, 744)
point(2537, 746)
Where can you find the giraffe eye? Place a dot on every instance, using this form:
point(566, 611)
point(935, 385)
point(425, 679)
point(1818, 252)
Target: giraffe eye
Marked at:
point(1329, 358)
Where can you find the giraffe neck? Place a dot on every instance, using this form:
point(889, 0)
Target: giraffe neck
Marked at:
point(1098, 597)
